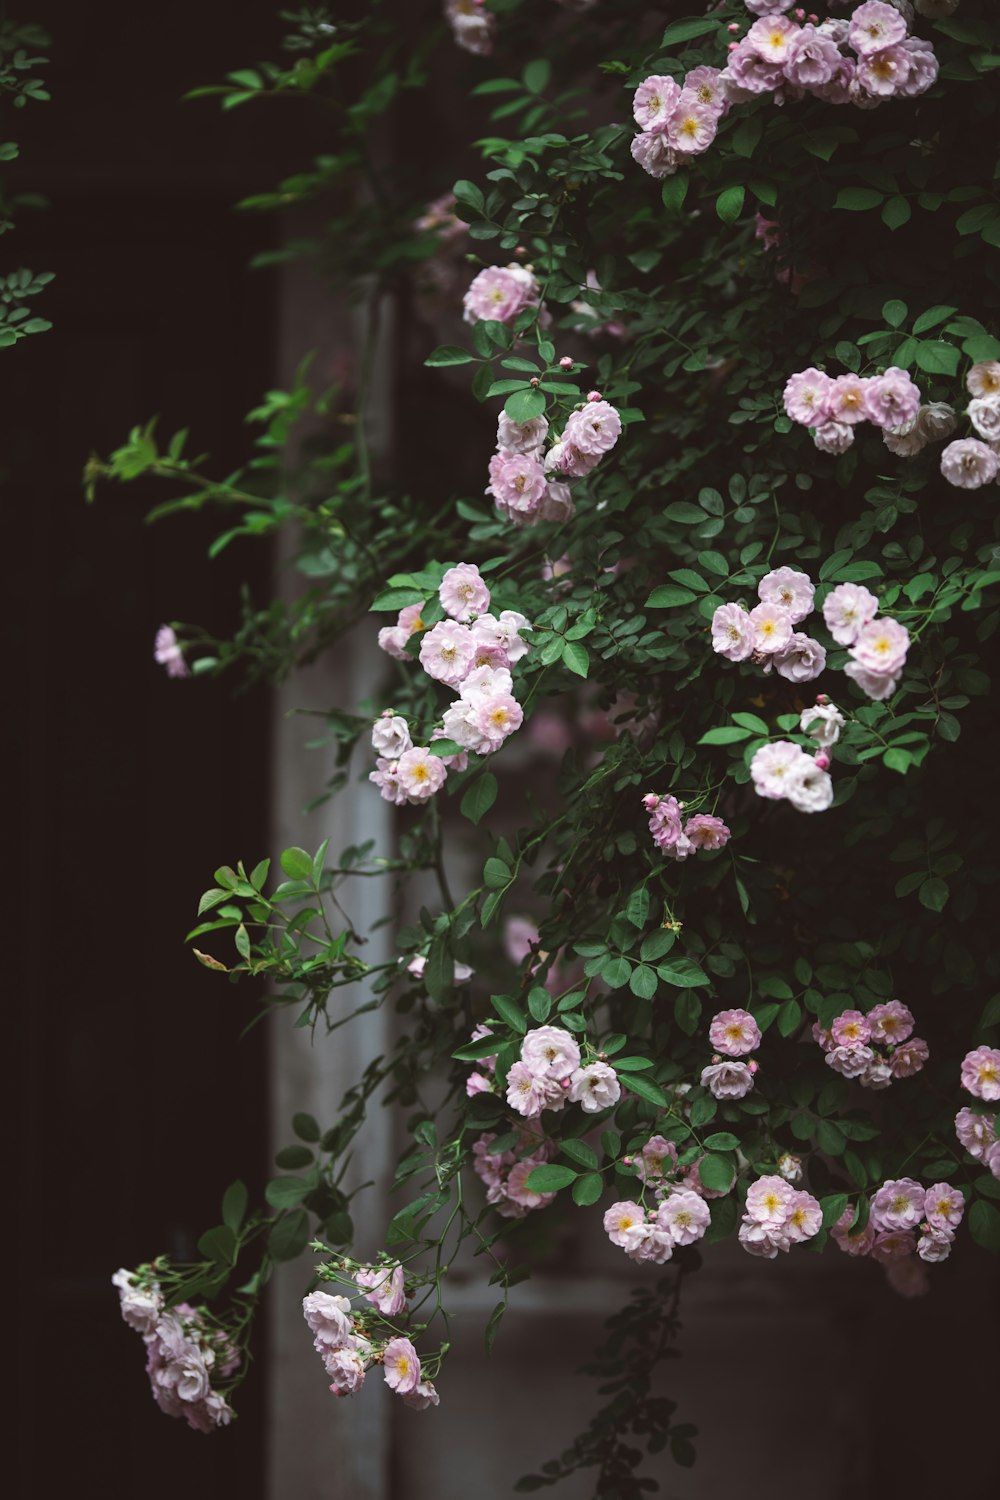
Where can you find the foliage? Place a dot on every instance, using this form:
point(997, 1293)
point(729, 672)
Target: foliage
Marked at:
point(17, 83)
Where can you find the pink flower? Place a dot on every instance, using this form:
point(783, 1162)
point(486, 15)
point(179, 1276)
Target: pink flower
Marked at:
point(706, 832)
point(619, 1219)
point(806, 397)
point(944, 1206)
point(811, 59)
point(500, 293)
point(772, 627)
point(909, 1058)
point(550, 1052)
point(654, 99)
point(521, 437)
point(892, 399)
point(734, 1033)
point(981, 1073)
point(657, 1153)
point(850, 1062)
point(654, 154)
point(764, 1240)
point(472, 27)
point(595, 429)
point(517, 484)
point(772, 765)
point(847, 399)
point(167, 651)
point(885, 73)
point(691, 127)
point(564, 458)
point(703, 83)
point(893, 1244)
point(975, 1132)
point(875, 25)
point(747, 73)
point(496, 717)
point(877, 685)
point(684, 1215)
point(557, 504)
point(991, 1159)
point(803, 1219)
point(833, 437)
point(850, 1029)
point(595, 1087)
point(808, 786)
point(898, 1204)
point(789, 588)
point(446, 652)
point(772, 36)
point(852, 1244)
point(846, 609)
point(503, 632)
point(386, 778)
point(665, 822)
point(877, 1075)
point(881, 646)
point(423, 1394)
point(401, 1366)
point(891, 1022)
point(802, 660)
point(768, 1200)
point(420, 774)
point(969, 464)
point(463, 593)
point(727, 1080)
point(391, 735)
point(984, 414)
point(393, 638)
point(732, 633)
point(384, 1287)
point(328, 1318)
point(983, 378)
point(822, 723)
point(517, 1184)
point(935, 1244)
point(529, 1093)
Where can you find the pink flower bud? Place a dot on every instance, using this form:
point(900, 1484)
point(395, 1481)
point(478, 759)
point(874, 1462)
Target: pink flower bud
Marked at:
point(628, 1161)
point(752, 1066)
point(799, 14)
point(566, 362)
point(822, 698)
point(822, 760)
point(521, 250)
point(594, 396)
point(731, 46)
point(534, 380)
point(733, 27)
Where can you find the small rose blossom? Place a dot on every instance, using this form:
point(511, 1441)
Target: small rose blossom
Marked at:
point(764, 1240)
point(823, 723)
point(732, 633)
point(167, 651)
point(984, 414)
point(391, 735)
point(849, 1062)
point(401, 1366)
point(936, 420)
point(772, 766)
point(504, 632)
point(883, 74)
point(704, 84)
point(875, 25)
point(892, 399)
point(328, 1318)
point(517, 484)
point(498, 716)
point(691, 127)
point(665, 822)
point(898, 1204)
point(423, 1394)
point(859, 1243)
point(734, 1033)
point(944, 1206)
point(772, 36)
point(768, 1200)
point(909, 1058)
point(421, 774)
point(850, 1029)
point(463, 593)
point(991, 1159)
point(772, 627)
point(803, 1219)
point(877, 1075)
point(833, 437)
point(384, 1287)
point(846, 610)
point(891, 1022)
point(521, 437)
point(529, 1093)
point(969, 464)
point(654, 154)
point(550, 1052)
point(790, 588)
point(975, 1132)
point(802, 660)
point(935, 1244)
point(905, 441)
point(806, 395)
point(877, 685)
point(499, 293)
point(684, 1215)
point(847, 397)
point(658, 1155)
point(704, 831)
point(517, 1184)
point(811, 60)
point(595, 1087)
point(386, 778)
point(653, 101)
point(748, 74)
point(893, 1245)
point(881, 646)
point(790, 1167)
point(984, 378)
point(809, 787)
point(981, 1073)
point(727, 1080)
point(619, 1219)
point(446, 652)
point(593, 430)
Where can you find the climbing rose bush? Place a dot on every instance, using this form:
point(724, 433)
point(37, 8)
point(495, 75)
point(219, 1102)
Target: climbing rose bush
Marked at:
point(705, 541)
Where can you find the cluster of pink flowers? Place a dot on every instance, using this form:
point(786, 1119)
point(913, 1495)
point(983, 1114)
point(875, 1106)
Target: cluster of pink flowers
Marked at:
point(778, 1216)
point(766, 633)
point(505, 1174)
point(981, 1073)
point(873, 1049)
point(650, 1235)
point(733, 1034)
point(904, 1219)
point(969, 463)
point(529, 484)
point(834, 405)
point(167, 651)
point(472, 25)
point(471, 652)
point(863, 61)
point(978, 1134)
point(341, 1340)
point(184, 1353)
point(678, 839)
point(551, 1071)
point(499, 293)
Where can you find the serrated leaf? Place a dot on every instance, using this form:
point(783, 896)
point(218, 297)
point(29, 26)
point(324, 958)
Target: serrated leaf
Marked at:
point(550, 1178)
point(508, 1011)
point(716, 1173)
point(669, 596)
point(576, 657)
point(480, 797)
point(449, 354)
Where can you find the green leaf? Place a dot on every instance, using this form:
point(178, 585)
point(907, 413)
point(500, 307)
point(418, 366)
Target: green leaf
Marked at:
point(218, 1244)
point(297, 864)
point(576, 657)
point(234, 1206)
point(540, 1004)
point(896, 213)
point(290, 1158)
point(496, 874)
point(674, 192)
point(687, 1012)
point(729, 203)
point(632, 1064)
point(287, 1192)
point(550, 1178)
point(687, 30)
point(289, 1235)
point(643, 982)
point(833, 1207)
point(669, 596)
point(581, 1153)
point(439, 971)
point(894, 312)
point(657, 944)
point(751, 722)
point(726, 734)
point(938, 358)
point(722, 1140)
point(931, 318)
point(637, 907)
point(536, 75)
point(704, 1109)
point(857, 199)
point(480, 797)
point(507, 1010)
point(746, 135)
point(984, 1225)
point(716, 1173)
point(524, 406)
point(616, 972)
point(646, 1089)
point(933, 894)
point(588, 1189)
point(305, 1127)
point(449, 354)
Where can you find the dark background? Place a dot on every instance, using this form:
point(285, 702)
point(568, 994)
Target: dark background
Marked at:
point(128, 789)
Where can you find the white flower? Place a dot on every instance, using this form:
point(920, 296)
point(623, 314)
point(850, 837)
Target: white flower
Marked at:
point(503, 632)
point(846, 609)
point(969, 464)
point(391, 735)
point(685, 1215)
point(936, 420)
point(984, 378)
point(808, 788)
point(791, 589)
point(485, 682)
point(773, 765)
point(984, 414)
point(823, 723)
point(550, 1052)
point(905, 441)
point(833, 437)
point(594, 1087)
point(801, 660)
point(521, 437)
point(877, 685)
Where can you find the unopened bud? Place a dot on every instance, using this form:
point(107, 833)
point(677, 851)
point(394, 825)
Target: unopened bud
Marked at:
point(534, 380)
point(752, 1067)
point(733, 28)
point(594, 396)
point(823, 760)
point(822, 698)
point(566, 363)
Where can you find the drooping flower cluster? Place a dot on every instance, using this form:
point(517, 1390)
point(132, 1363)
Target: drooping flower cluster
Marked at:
point(340, 1338)
point(676, 838)
point(863, 61)
point(184, 1353)
point(873, 1049)
point(969, 463)
point(834, 405)
point(472, 25)
point(529, 484)
point(904, 1219)
point(783, 771)
point(650, 1235)
point(505, 1174)
point(167, 651)
point(471, 652)
point(733, 1034)
point(778, 1216)
point(551, 1071)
